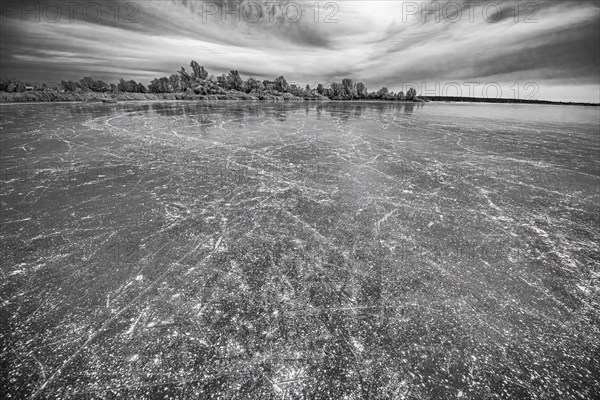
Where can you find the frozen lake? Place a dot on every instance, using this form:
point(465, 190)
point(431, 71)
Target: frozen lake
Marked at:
point(269, 250)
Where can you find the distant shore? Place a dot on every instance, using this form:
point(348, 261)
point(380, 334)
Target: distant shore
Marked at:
point(91, 97)
point(447, 99)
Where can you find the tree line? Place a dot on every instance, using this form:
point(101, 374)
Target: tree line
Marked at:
point(198, 81)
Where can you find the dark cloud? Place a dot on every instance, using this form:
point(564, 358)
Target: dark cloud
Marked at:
point(567, 53)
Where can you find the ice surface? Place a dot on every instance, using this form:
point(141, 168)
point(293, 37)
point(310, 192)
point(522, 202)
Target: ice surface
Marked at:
point(258, 249)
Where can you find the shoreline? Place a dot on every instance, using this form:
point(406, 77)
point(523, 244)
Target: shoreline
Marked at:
point(41, 97)
point(442, 99)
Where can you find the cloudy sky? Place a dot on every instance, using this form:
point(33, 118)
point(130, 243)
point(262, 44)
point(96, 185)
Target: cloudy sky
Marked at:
point(546, 50)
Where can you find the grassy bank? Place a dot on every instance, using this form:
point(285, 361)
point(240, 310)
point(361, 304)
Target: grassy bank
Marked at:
point(54, 95)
